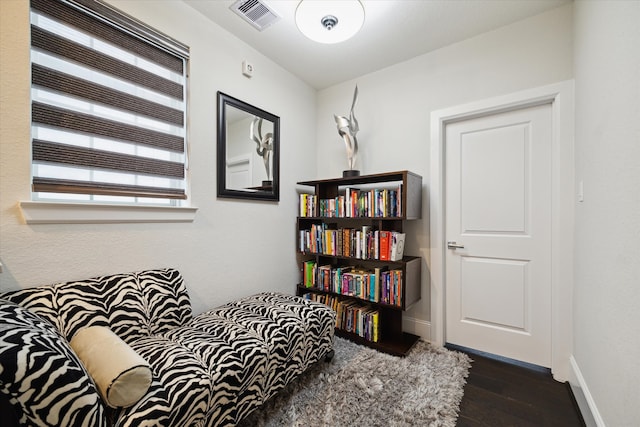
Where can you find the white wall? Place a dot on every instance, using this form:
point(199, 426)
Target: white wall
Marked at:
point(395, 104)
point(233, 247)
point(607, 238)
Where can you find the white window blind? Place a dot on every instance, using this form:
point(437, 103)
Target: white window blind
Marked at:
point(108, 106)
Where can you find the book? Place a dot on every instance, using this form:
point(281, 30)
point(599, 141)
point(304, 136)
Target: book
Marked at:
point(375, 321)
point(308, 204)
point(397, 246)
point(365, 235)
point(375, 293)
point(309, 272)
point(324, 277)
point(385, 242)
point(351, 202)
point(338, 277)
point(351, 316)
point(394, 296)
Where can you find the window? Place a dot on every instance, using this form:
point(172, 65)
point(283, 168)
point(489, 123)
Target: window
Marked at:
point(108, 107)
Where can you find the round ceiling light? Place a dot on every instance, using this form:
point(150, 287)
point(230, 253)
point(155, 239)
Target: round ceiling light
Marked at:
point(331, 21)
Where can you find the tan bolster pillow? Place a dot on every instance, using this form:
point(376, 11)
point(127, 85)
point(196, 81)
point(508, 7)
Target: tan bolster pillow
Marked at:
point(121, 375)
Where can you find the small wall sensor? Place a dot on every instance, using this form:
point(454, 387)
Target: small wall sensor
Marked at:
point(247, 69)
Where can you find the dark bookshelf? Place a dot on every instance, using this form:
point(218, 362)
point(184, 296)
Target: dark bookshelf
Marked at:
point(393, 339)
point(398, 345)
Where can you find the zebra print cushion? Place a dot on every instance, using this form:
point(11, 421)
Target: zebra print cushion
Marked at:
point(40, 375)
point(225, 363)
point(209, 370)
point(289, 335)
point(38, 300)
point(132, 305)
point(166, 299)
point(314, 319)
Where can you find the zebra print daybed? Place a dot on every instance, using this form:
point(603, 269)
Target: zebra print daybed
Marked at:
point(212, 369)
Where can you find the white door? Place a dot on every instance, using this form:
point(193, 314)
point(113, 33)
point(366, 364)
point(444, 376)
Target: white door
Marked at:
point(498, 211)
point(238, 173)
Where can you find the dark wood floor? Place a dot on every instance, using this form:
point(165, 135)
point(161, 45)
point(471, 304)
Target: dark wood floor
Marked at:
point(499, 394)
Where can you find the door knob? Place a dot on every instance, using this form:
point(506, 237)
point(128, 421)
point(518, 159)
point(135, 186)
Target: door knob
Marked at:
point(454, 245)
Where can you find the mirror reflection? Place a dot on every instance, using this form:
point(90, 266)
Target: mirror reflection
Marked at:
point(247, 150)
point(249, 147)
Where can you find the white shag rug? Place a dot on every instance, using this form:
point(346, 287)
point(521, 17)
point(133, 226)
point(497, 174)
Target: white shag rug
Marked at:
point(363, 387)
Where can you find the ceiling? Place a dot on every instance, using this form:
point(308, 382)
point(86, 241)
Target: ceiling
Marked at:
point(394, 31)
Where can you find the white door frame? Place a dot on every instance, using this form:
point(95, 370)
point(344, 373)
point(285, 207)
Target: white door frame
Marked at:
point(560, 95)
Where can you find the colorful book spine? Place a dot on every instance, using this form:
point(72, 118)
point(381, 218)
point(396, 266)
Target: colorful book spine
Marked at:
point(354, 203)
point(391, 287)
point(308, 205)
point(309, 274)
point(359, 319)
point(385, 237)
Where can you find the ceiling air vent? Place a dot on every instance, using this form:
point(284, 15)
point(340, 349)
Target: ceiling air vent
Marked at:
point(255, 12)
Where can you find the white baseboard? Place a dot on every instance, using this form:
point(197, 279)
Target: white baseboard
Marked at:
point(419, 327)
point(583, 397)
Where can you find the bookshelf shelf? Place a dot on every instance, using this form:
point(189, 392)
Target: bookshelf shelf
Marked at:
point(303, 289)
point(399, 345)
point(350, 241)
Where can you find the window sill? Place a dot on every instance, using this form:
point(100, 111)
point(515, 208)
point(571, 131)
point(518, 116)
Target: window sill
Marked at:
point(83, 213)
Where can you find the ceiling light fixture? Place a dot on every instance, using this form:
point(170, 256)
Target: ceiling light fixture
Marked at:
point(329, 21)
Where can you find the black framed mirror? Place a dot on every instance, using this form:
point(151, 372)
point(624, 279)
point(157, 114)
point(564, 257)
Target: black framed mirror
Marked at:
point(248, 162)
